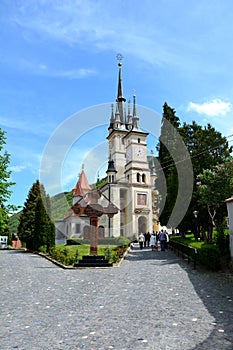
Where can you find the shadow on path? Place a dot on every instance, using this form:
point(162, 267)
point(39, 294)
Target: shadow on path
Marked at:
point(215, 290)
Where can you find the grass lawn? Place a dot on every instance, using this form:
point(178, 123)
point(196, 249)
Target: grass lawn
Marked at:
point(84, 249)
point(188, 240)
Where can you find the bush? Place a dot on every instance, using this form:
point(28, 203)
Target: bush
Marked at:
point(116, 254)
point(73, 241)
point(210, 257)
point(122, 241)
point(64, 256)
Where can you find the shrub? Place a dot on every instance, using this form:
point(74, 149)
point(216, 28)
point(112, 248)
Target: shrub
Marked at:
point(73, 241)
point(64, 256)
point(43, 249)
point(122, 241)
point(209, 256)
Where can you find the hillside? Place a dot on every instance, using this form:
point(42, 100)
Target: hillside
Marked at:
point(59, 208)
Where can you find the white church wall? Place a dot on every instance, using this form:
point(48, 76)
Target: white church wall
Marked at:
point(230, 219)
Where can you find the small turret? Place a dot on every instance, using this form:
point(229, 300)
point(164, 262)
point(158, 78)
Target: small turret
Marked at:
point(111, 171)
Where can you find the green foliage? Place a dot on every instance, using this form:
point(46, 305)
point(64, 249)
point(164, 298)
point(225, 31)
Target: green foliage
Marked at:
point(215, 185)
point(60, 205)
point(115, 254)
point(14, 222)
point(101, 182)
point(210, 257)
point(5, 185)
point(35, 227)
point(207, 148)
point(73, 241)
point(68, 255)
point(222, 242)
point(166, 148)
point(63, 255)
point(122, 241)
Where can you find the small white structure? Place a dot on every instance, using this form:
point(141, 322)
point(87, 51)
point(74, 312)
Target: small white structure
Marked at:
point(3, 242)
point(229, 203)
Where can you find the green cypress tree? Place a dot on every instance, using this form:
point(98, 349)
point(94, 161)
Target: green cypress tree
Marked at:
point(35, 226)
point(166, 149)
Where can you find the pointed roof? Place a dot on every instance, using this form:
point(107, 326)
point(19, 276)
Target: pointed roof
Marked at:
point(120, 95)
point(82, 185)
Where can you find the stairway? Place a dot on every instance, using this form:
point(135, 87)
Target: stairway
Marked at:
point(93, 261)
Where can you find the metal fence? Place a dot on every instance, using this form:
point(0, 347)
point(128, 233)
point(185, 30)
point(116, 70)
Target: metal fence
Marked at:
point(186, 252)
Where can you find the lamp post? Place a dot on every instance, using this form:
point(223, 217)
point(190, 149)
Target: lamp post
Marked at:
point(195, 213)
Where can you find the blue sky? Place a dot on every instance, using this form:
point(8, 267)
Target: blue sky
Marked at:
point(58, 61)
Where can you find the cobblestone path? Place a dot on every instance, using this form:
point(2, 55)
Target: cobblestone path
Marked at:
point(153, 300)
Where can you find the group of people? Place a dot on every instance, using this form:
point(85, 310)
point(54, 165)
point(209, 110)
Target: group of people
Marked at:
point(153, 240)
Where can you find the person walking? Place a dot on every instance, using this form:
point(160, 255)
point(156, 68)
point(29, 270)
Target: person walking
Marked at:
point(141, 240)
point(153, 241)
point(167, 239)
point(148, 235)
point(162, 238)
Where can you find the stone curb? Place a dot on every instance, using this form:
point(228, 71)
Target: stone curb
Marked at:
point(65, 267)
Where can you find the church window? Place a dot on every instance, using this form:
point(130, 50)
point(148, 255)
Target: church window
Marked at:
point(139, 140)
point(138, 177)
point(143, 178)
point(77, 228)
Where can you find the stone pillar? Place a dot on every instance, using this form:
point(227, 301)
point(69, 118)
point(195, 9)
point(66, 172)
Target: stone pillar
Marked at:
point(93, 236)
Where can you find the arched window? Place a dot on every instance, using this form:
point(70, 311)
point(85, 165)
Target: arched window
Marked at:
point(138, 177)
point(143, 178)
point(139, 140)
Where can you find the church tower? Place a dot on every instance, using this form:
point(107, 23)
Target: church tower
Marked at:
point(129, 184)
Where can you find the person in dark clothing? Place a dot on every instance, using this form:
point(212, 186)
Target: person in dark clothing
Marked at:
point(148, 235)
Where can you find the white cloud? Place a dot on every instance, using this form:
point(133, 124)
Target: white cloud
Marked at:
point(213, 108)
point(17, 168)
point(44, 70)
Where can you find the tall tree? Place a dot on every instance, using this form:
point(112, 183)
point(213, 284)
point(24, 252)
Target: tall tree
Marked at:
point(5, 184)
point(207, 148)
point(166, 150)
point(35, 227)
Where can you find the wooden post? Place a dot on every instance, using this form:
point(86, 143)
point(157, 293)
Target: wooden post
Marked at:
point(93, 235)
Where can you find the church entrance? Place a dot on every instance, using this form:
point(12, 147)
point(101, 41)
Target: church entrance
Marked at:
point(142, 224)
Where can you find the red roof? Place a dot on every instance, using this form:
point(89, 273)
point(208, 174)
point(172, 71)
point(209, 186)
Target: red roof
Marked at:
point(82, 186)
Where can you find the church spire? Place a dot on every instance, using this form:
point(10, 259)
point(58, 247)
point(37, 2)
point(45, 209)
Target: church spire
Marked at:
point(135, 116)
point(120, 95)
point(120, 100)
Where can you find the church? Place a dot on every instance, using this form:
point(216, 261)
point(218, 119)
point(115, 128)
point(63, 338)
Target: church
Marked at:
point(129, 183)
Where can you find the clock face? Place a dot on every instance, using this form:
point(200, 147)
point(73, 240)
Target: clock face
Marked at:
point(139, 152)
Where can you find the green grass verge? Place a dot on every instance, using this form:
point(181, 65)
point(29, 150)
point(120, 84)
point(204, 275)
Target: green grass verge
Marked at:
point(71, 254)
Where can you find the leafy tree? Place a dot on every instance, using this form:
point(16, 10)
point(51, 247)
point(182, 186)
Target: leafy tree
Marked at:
point(5, 185)
point(206, 147)
point(214, 186)
point(35, 227)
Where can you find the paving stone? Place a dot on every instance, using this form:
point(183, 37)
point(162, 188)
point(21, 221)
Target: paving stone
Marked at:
point(154, 300)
